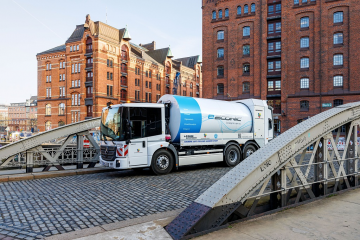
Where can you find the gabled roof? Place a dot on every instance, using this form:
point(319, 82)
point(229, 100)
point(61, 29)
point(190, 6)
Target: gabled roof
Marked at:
point(190, 61)
point(60, 48)
point(77, 34)
point(159, 55)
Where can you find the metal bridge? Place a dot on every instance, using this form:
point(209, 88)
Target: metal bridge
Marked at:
point(276, 176)
point(32, 152)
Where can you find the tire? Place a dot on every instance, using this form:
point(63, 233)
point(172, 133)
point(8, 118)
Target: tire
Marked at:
point(248, 150)
point(232, 156)
point(162, 162)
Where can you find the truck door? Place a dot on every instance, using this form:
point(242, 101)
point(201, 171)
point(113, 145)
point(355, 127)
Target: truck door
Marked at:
point(138, 142)
point(259, 124)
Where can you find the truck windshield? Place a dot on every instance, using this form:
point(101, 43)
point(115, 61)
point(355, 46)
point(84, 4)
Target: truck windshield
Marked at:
point(113, 124)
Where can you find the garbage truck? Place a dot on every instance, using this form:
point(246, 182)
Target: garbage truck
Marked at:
point(178, 131)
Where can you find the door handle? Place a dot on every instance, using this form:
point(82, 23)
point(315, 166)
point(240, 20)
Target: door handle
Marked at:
point(144, 145)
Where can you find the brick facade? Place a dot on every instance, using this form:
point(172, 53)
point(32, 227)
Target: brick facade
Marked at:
point(275, 74)
point(99, 64)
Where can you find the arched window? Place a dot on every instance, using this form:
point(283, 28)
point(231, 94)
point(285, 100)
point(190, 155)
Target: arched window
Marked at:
point(48, 109)
point(304, 42)
point(338, 38)
point(304, 105)
point(214, 15)
point(124, 52)
point(61, 109)
point(220, 35)
point(168, 68)
point(226, 12)
point(239, 10)
point(191, 85)
point(338, 59)
point(75, 99)
point(253, 8)
point(338, 102)
point(304, 83)
point(246, 31)
point(246, 68)
point(123, 68)
point(220, 53)
point(123, 81)
point(246, 9)
point(61, 123)
point(338, 81)
point(304, 22)
point(89, 45)
point(220, 71)
point(304, 63)
point(246, 87)
point(48, 126)
point(246, 50)
point(220, 89)
point(220, 13)
point(123, 94)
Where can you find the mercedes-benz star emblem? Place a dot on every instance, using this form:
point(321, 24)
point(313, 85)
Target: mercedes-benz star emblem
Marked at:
point(106, 150)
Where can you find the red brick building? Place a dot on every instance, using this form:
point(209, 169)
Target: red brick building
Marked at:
point(98, 64)
point(300, 55)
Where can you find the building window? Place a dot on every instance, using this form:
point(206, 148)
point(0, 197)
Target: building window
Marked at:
point(214, 15)
point(274, 28)
point(338, 60)
point(220, 71)
point(62, 91)
point(61, 109)
point(274, 9)
point(147, 73)
point(304, 83)
point(75, 116)
point(304, 105)
point(338, 81)
point(48, 109)
point(123, 94)
point(47, 126)
point(220, 35)
point(75, 99)
point(226, 12)
point(246, 87)
point(274, 48)
point(48, 92)
point(253, 8)
point(191, 86)
point(137, 95)
point(61, 123)
point(246, 50)
point(220, 53)
point(246, 9)
point(338, 102)
point(150, 74)
point(246, 31)
point(109, 91)
point(109, 63)
point(304, 22)
point(274, 66)
point(274, 86)
point(220, 13)
point(296, 1)
point(220, 89)
point(304, 42)
point(338, 38)
point(246, 69)
point(239, 10)
point(304, 63)
point(338, 17)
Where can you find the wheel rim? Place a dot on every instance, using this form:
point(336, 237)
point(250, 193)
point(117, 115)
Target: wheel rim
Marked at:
point(249, 152)
point(162, 162)
point(233, 156)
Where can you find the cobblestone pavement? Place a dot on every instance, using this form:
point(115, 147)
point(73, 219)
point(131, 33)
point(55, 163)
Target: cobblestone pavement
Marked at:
point(44, 207)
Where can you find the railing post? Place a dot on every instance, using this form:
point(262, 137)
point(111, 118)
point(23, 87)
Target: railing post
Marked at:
point(283, 187)
point(356, 162)
point(80, 151)
point(350, 163)
point(29, 161)
point(275, 186)
point(326, 165)
point(319, 168)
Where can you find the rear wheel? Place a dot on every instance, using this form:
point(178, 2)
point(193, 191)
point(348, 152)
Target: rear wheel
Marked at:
point(162, 162)
point(232, 156)
point(248, 150)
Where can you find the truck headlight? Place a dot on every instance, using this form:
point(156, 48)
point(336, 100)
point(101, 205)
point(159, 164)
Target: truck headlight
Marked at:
point(117, 163)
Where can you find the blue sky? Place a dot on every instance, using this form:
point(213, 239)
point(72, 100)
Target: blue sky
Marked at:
point(31, 26)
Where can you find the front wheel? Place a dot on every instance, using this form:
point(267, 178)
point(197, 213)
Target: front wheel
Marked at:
point(232, 156)
point(162, 162)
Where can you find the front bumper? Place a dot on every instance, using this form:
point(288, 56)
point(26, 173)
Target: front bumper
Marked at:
point(118, 163)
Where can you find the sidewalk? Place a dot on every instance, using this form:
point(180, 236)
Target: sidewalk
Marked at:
point(335, 217)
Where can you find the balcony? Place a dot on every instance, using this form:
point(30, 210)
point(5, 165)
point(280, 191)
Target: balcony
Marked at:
point(89, 79)
point(89, 95)
point(123, 82)
point(124, 58)
point(89, 50)
point(89, 65)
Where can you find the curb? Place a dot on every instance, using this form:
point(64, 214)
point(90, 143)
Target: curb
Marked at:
point(51, 174)
point(165, 218)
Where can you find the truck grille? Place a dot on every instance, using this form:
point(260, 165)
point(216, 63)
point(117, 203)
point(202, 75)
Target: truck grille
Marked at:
point(108, 153)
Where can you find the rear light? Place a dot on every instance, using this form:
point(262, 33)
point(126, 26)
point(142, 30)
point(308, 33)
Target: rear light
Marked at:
point(167, 138)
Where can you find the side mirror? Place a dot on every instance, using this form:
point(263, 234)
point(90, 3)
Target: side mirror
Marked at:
point(128, 141)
